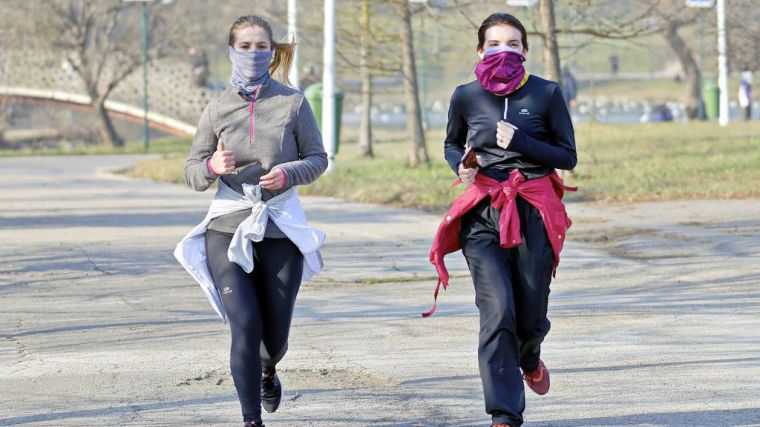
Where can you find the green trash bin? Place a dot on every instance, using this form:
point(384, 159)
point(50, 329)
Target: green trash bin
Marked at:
point(712, 100)
point(313, 93)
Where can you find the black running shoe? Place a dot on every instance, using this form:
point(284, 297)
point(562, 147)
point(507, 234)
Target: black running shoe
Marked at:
point(271, 393)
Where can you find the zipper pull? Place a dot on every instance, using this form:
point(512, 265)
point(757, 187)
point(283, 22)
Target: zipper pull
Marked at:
point(250, 115)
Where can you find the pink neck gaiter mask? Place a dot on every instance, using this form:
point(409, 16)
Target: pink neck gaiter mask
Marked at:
point(501, 70)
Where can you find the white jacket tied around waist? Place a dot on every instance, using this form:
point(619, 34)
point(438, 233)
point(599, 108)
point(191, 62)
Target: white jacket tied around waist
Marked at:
point(286, 212)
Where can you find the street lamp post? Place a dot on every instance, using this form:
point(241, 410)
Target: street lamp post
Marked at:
point(722, 64)
point(293, 30)
point(328, 84)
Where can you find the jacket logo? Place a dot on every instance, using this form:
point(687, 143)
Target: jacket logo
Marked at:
point(226, 290)
point(524, 112)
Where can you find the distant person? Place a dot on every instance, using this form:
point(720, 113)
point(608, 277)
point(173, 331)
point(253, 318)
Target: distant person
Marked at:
point(258, 140)
point(199, 64)
point(661, 113)
point(569, 87)
point(745, 95)
point(614, 64)
point(507, 133)
point(309, 77)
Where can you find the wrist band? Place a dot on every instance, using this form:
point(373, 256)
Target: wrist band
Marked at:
point(210, 169)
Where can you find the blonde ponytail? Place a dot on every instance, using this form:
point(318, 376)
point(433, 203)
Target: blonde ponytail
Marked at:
point(283, 60)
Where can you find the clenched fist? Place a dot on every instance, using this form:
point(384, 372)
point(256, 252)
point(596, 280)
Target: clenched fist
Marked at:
point(467, 175)
point(504, 133)
point(274, 180)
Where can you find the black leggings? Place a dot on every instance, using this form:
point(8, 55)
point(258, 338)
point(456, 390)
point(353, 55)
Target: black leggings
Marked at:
point(512, 294)
point(259, 307)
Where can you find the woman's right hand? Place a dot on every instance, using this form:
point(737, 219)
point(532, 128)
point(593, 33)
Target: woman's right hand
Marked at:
point(467, 175)
point(223, 161)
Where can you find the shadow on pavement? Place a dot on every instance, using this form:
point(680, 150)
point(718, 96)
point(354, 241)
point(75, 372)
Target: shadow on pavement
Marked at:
point(717, 417)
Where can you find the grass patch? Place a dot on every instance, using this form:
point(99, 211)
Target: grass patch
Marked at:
point(667, 161)
point(616, 163)
point(386, 179)
point(654, 90)
point(169, 168)
point(171, 144)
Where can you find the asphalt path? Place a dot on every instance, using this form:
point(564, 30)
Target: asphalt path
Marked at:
point(655, 314)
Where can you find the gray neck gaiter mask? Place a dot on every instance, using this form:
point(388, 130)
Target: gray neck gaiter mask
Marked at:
point(249, 69)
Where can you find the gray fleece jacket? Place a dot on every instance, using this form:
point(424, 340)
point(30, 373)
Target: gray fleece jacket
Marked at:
point(277, 129)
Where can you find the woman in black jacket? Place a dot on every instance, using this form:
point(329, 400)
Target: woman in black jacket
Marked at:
point(520, 130)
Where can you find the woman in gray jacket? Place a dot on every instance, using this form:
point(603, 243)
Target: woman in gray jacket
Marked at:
point(258, 135)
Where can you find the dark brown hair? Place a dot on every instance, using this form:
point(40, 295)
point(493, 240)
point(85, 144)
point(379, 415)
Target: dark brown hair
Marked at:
point(501, 18)
point(283, 52)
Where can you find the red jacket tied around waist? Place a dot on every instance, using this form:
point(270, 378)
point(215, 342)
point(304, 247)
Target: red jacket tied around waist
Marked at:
point(545, 194)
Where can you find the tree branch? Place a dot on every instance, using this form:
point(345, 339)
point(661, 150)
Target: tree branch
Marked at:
point(108, 36)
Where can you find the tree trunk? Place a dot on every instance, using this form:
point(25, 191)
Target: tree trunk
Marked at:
point(418, 151)
point(691, 71)
point(107, 130)
point(3, 121)
point(3, 125)
point(365, 127)
point(549, 34)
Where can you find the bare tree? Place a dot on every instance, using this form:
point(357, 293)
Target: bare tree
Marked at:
point(378, 40)
point(418, 150)
point(101, 46)
point(620, 20)
point(651, 17)
point(377, 43)
point(633, 21)
point(743, 34)
point(365, 126)
point(688, 63)
point(370, 30)
point(549, 36)
point(600, 19)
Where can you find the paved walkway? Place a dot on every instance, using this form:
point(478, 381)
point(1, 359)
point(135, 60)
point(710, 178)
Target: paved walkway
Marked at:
point(655, 313)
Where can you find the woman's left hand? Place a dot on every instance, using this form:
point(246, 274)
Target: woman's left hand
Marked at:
point(274, 180)
point(504, 133)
